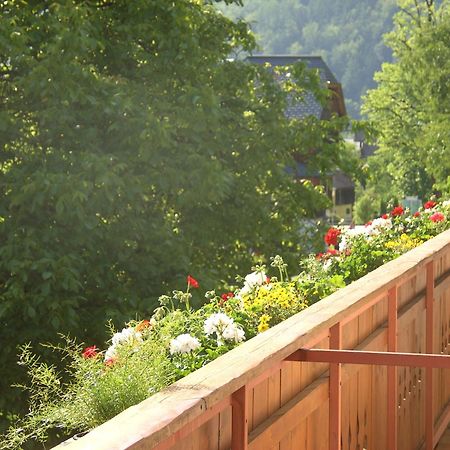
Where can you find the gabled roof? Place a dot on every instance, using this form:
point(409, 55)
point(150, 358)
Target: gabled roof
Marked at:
point(309, 106)
point(312, 62)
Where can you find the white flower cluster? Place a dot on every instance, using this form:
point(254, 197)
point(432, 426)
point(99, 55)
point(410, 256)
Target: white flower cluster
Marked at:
point(126, 336)
point(379, 224)
point(224, 327)
point(251, 281)
point(184, 343)
point(376, 227)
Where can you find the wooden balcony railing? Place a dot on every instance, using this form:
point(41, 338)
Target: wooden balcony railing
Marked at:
point(365, 368)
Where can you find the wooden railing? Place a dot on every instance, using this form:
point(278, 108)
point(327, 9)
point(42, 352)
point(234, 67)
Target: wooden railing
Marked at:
point(271, 393)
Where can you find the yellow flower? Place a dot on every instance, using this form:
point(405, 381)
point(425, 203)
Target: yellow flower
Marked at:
point(264, 323)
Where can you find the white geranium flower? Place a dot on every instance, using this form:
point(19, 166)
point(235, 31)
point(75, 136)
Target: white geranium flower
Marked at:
point(224, 327)
point(111, 353)
point(184, 343)
point(233, 333)
point(251, 281)
point(381, 223)
point(216, 323)
point(127, 335)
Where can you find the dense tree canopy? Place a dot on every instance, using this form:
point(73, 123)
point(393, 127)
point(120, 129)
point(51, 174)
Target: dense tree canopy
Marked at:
point(346, 33)
point(135, 150)
point(410, 109)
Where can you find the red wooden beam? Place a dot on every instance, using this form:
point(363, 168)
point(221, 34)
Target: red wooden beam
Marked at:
point(392, 370)
point(371, 358)
point(239, 419)
point(429, 407)
point(335, 391)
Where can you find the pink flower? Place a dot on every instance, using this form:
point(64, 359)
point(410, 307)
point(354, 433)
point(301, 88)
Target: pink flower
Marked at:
point(90, 352)
point(437, 217)
point(192, 282)
point(397, 211)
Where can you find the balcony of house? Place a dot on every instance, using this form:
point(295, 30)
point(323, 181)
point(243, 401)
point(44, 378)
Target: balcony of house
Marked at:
point(365, 368)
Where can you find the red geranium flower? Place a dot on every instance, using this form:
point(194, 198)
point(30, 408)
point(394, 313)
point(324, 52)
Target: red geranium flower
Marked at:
point(429, 204)
point(226, 296)
point(332, 252)
point(416, 214)
point(192, 282)
point(368, 223)
point(437, 217)
point(385, 216)
point(319, 255)
point(331, 238)
point(397, 211)
point(90, 352)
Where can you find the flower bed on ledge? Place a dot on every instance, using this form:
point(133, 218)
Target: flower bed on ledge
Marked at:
point(148, 355)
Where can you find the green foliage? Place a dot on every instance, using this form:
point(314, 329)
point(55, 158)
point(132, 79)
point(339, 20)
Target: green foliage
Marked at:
point(347, 34)
point(409, 108)
point(133, 152)
point(367, 205)
point(315, 281)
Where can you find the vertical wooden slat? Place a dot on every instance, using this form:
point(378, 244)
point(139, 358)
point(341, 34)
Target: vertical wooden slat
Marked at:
point(335, 391)
point(239, 420)
point(429, 407)
point(392, 370)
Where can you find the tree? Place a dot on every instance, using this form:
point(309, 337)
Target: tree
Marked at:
point(410, 107)
point(134, 152)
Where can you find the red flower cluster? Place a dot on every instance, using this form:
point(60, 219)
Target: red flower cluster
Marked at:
point(368, 223)
point(226, 296)
point(437, 217)
point(397, 211)
point(429, 204)
point(416, 214)
point(385, 216)
point(90, 352)
point(331, 238)
point(332, 252)
point(192, 282)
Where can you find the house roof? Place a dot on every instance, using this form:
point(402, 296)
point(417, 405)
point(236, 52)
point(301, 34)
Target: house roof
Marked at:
point(309, 106)
point(312, 62)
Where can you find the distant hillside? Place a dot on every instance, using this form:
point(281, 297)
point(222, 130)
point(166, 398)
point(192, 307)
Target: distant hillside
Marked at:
point(346, 33)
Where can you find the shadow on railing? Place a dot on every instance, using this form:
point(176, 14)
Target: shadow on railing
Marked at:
point(296, 387)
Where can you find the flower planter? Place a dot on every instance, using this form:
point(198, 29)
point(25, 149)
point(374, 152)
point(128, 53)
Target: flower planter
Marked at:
point(263, 395)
